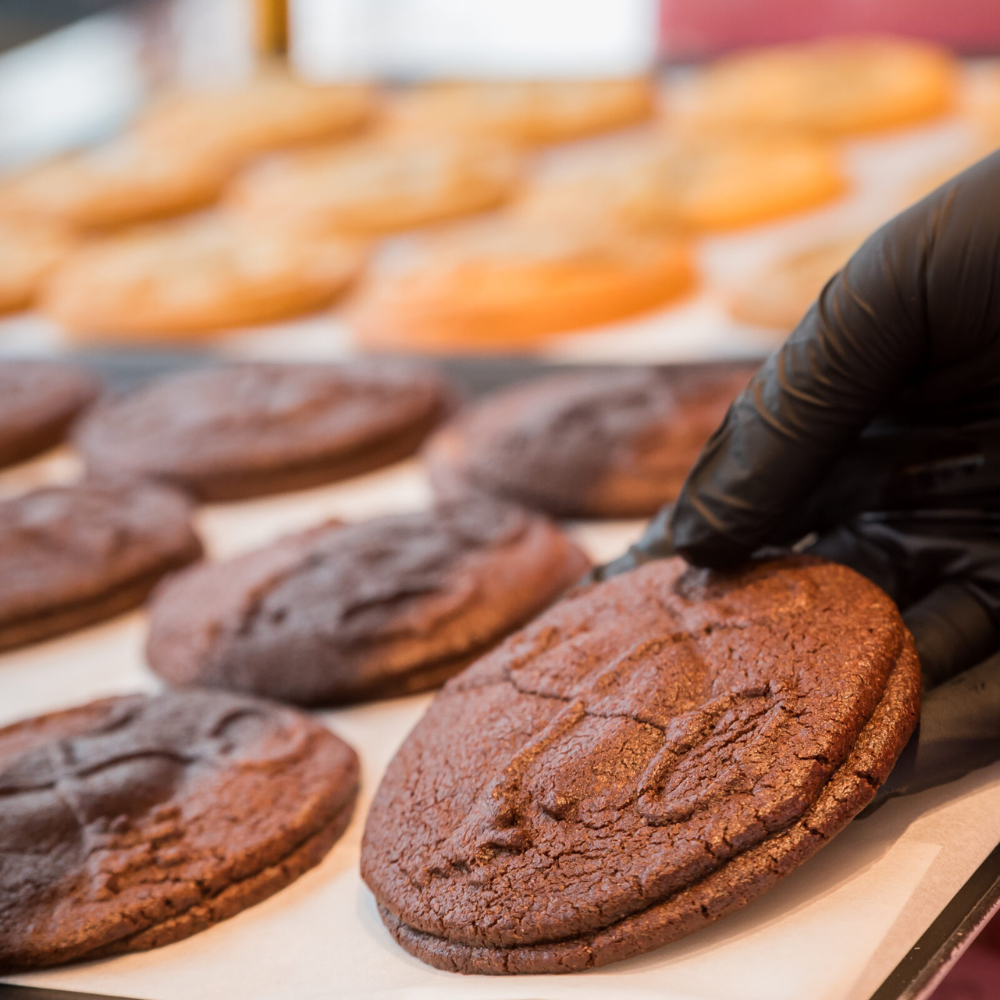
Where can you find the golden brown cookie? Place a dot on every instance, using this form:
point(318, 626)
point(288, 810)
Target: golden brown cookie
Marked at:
point(374, 187)
point(121, 182)
point(182, 280)
point(511, 282)
point(271, 111)
point(531, 112)
point(710, 182)
point(29, 250)
point(832, 86)
point(779, 296)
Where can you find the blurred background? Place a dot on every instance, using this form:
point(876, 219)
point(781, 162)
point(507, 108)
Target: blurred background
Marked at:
point(748, 147)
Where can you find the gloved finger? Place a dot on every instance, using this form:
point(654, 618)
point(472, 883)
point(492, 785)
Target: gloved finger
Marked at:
point(952, 631)
point(655, 543)
point(959, 732)
point(913, 311)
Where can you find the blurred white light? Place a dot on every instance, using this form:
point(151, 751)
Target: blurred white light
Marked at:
point(333, 39)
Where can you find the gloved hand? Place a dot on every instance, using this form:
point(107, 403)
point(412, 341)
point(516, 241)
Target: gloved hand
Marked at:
point(872, 437)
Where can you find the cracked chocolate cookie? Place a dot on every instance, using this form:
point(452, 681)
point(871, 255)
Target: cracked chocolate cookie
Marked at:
point(372, 610)
point(135, 821)
point(38, 402)
point(648, 755)
point(600, 444)
point(74, 555)
point(249, 429)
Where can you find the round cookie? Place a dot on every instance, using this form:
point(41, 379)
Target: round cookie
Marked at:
point(831, 86)
point(594, 444)
point(250, 429)
point(712, 182)
point(371, 610)
point(648, 755)
point(135, 821)
point(779, 296)
point(74, 555)
point(30, 249)
point(122, 182)
point(375, 187)
point(532, 112)
point(183, 280)
point(271, 111)
point(38, 402)
point(513, 282)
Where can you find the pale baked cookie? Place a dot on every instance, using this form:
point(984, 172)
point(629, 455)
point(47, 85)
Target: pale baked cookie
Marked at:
point(526, 111)
point(833, 86)
point(124, 181)
point(29, 250)
point(511, 282)
point(711, 182)
point(269, 112)
point(184, 279)
point(779, 296)
point(374, 187)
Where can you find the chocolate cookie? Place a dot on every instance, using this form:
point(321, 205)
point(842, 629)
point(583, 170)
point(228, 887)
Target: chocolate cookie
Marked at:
point(132, 822)
point(38, 402)
point(370, 610)
point(585, 445)
point(73, 555)
point(648, 755)
point(249, 429)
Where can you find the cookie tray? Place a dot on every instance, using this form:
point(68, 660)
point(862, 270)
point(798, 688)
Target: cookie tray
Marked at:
point(879, 913)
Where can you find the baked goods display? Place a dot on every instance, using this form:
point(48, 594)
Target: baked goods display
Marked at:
point(650, 754)
point(159, 816)
point(250, 429)
point(343, 613)
point(779, 296)
point(373, 187)
point(508, 283)
point(74, 555)
point(39, 400)
point(593, 444)
point(829, 86)
point(30, 250)
point(532, 112)
point(122, 182)
point(184, 279)
point(272, 110)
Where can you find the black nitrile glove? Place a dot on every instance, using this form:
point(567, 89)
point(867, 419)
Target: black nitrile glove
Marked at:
point(872, 437)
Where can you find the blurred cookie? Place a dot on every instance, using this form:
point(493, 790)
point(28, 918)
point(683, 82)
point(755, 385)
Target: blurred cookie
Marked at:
point(29, 251)
point(595, 444)
point(648, 755)
point(374, 187)
point(779, 296)
point(249, 429)
point(135, 821)
point(371, 610)
point(532, 112)
point(38, 402)
point(183, 280)
point(711, 182)
point(122, 182)
point(271, 111)
point(73, 555)
point(512, 282)
point(831, 86)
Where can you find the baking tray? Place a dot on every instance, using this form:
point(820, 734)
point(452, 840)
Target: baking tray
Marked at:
point(936, 889)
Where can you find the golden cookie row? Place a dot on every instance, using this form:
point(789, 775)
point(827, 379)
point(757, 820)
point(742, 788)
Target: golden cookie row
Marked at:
point(294, 228)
